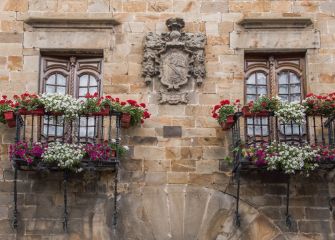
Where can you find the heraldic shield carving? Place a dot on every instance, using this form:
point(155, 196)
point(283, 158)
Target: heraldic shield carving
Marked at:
point(176, 59)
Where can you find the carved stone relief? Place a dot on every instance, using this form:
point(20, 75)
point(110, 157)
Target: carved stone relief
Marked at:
point(176, 59)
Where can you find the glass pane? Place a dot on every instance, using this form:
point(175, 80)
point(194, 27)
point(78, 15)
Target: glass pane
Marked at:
point(251, 89)
point(251, 98)
point(93, 90)
point(262, 90)
point(51, 79)
point(82, 132)
point(283, 89)
point(91, 132)
point(257, 130)
point(250, 131)
point(61, 90)
point(83, 121)
point(61, 80)
point(93, 81)
point(261, 78)
point(283, 78)
point(294, 78)
point(59, 131)
point(82, 91)
point(284, 97)
point(50, 89)
point(91, 121)
point(251, 79)
point(295, 98)
point(295, 88)
point(83, 81)
point(265, 130)
point(51, 130)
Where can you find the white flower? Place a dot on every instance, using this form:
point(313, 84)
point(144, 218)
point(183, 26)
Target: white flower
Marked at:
point(126, 148)
point(291, 112)
point(64, 155)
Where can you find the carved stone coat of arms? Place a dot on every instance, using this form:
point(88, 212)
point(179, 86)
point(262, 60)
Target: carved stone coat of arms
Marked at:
point(176, 59)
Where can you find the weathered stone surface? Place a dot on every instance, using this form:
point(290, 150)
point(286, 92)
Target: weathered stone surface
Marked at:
point(269, 39)
point(172, 131)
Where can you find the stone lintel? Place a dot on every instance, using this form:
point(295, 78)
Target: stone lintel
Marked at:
point(297, 39)
point(78, 23)
point(275, 23)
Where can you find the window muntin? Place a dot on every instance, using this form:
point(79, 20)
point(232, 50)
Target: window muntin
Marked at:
point(76, 77)
point(284, 77)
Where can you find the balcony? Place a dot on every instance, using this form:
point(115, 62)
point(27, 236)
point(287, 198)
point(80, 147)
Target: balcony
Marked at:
point(263, 130)
point(97, 134)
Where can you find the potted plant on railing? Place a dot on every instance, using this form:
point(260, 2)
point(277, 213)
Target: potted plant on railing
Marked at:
point(104, 152)
point(291, 112)
point(29, 104)
point(224, 113)
point(319, 105)
point(92, 105)
point(262, 107)
point(64, 156)
point(133, 113)
point(30, 153)
point(59, 104)
point(7, 111)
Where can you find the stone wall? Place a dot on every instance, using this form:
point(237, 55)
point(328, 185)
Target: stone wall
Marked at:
point(171, 188)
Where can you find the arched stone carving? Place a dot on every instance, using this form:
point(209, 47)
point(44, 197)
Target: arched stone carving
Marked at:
point(180, 212)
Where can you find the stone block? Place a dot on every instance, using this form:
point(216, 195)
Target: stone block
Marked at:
point(210, 153)
point(67, 40)
point(317, 213)
point(155, 178)
point(134, 6)
point(177, 178)
point(183, 165)
point(43, 5)
point(98, 6)
point(14, 63)
point(199, 132)
point(172, 131)
point(201, 179)
point(269, 39)
point(314, 226)
point(156, 166)
point(188, 6)
point(149, 153)
point(214, 7)
point(207, 166)
point(10, 37)
point(72, 6)
point(160, 6)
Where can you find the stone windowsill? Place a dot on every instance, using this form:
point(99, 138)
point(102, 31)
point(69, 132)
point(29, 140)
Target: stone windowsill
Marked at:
point(275, 23)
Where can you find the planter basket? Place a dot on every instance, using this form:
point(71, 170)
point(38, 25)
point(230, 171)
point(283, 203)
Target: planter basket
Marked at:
point(11, 123)
point(228, 123)
point(125, 120)
point(36, 112)
point(264, 113)
point(9, 115)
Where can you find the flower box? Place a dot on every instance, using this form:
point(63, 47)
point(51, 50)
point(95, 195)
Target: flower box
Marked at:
point(102, 112)
point(11, 123)
point(228, 123)
point(9, 115)
point(37, 112)
point(24, 111)
point(247, 113)
point(125, 120)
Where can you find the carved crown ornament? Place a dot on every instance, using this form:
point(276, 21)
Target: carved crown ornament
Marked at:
point(174, 62)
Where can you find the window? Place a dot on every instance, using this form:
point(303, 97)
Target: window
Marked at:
point(75, 76)
point(273, 75)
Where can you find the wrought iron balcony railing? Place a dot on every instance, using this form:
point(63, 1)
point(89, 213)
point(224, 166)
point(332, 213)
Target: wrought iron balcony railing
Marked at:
point(46, 128)
point(263, 130)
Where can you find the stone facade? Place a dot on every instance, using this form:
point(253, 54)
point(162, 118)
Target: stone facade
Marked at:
point(170, 186)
